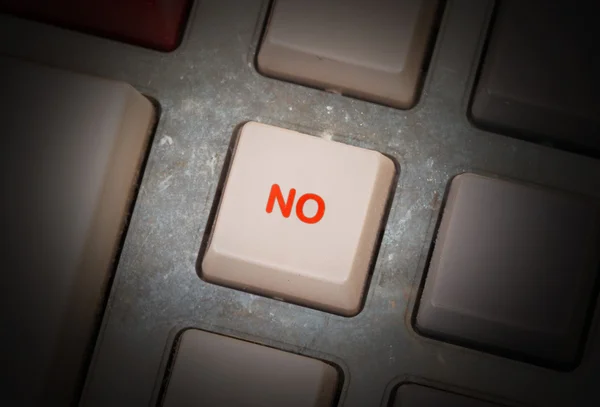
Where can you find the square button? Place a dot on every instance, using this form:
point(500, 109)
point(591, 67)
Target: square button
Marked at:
point(414, 395)
point(155, 24)
point(299, 218)
point(374, 50)
point(218, 371)
point(539, 78)
point(513, 270)
point(74, 145)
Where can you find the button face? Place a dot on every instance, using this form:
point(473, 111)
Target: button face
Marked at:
point(213, 371)
point(74, 147)
point(414, 395)
point(373, 50)
point(539, 78)
point(150, 23)
point(299, 218)
point(513, 270)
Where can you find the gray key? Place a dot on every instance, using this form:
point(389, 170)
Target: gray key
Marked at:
point(211, 370)
point(371, 49)
point(414, 395)
point(539, 78)
point(513, 270)
point(72, 148)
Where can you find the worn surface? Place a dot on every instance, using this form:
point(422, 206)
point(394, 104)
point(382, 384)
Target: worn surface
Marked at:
point(206, 88)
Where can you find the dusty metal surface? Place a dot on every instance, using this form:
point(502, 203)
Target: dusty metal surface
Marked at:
point(206, 88)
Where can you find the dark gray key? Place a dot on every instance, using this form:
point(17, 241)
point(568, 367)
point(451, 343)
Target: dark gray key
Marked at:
point(513, 270)
point(214, 370)
point(540, 76)
point(371, 49)
point(414, 395)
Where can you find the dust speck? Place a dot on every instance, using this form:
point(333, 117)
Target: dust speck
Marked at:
point(212, 163)
point(164, 184)
point(166, 140)
point(190, 105)
point(327, 135)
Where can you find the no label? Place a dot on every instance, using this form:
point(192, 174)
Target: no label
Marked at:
point(286, 205)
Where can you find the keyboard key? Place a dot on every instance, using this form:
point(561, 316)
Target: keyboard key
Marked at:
point(213, 371)
point(373, 50)
point(299, 218)
point(414, 395)
point(72, 150)
point(150, 23)
point(539, 79)
point(513, 270)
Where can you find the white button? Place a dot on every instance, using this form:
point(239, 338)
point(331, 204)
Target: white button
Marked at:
point(215, 370)
point(299, 218)
point(73, 148)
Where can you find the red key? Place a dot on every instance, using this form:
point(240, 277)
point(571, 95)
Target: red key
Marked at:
point(154, 24)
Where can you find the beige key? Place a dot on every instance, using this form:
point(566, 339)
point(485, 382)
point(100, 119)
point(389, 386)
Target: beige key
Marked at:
point(216, 371)
point(371, 49)
point(299, 218)
point(73, 147)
